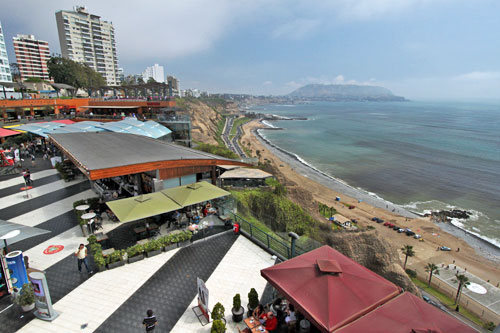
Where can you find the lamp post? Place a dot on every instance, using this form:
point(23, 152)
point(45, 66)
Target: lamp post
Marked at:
point(294, 238)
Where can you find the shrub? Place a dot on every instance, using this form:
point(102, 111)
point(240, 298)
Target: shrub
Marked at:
point(411, 273)
point(99, 259)
point(27, 296)
point(218, 326)
point(253, 298)
point(152, 245)
point(115, 256)
point(135, 250)
point(218, 311)
point(236, 301)
point(92, 239)
point(490, 326)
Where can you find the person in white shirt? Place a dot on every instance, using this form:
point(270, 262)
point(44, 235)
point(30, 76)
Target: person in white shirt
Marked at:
point(290, 314)
point(81, 254)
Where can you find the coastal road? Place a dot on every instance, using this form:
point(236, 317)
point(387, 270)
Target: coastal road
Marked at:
point(233, 144)
point(458, 316)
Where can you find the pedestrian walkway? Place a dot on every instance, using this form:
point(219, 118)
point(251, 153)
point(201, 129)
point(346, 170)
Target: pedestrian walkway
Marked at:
point(170, 290)
point(36, 192)
point(39, 182)
point(237, 273)
point(18, 180)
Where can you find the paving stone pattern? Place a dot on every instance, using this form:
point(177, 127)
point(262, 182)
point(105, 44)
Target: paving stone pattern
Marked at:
point(170, 290)
point(37, 182)
point(41, 201)
point(57, 225)
point(13, 318)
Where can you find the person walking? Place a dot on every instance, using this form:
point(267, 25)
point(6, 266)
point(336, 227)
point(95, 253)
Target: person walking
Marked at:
point(29, 181)
point(81, 254)
point(149, 322)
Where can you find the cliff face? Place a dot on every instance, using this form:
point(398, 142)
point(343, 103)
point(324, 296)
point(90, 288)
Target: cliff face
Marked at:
point(371, 251)
point(205, 118)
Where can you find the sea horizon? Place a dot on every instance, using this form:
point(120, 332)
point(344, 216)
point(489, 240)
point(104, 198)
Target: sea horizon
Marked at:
point(420, 155)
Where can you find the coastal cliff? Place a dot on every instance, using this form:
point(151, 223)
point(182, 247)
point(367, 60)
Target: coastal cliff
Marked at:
point(344, 92)
point(205, 117)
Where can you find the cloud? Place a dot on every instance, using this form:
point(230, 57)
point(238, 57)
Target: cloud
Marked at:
point(296, 29)
point(372, 9)
point(267, 83)
point(478, 76)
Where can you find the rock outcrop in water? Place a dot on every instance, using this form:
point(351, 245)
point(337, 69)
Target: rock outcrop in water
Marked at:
point(447, 215)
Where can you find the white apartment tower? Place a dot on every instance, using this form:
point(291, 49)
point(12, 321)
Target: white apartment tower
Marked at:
point(5, 75)
point(31, 56)
point(156, 72)
point(87, 39)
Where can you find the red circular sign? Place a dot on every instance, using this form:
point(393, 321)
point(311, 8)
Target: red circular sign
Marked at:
point(53, 249)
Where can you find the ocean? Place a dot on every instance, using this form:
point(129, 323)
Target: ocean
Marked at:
point(419, 155)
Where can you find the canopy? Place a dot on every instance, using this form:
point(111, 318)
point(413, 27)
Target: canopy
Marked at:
point(406, 313)
point(140, 207)
point(192, 194)
point(248, 173)
point(328, 288)
point(5, 132)
point(25, 232)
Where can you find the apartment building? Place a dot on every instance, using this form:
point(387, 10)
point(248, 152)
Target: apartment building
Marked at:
point(5, 75)
point(31, 56)
point(85, 38)
point(156, 72)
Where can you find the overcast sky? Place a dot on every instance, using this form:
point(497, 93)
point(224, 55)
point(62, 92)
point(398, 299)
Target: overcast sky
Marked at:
point(420, 49)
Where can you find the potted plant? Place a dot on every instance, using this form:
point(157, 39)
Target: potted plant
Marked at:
point(152, 248)
point(168, 243)
point(100, 261)
point(115, 259)
point(184, 238)
point(135, 253)
point(218, 312)
point(218, 326)
point(26, 298)
point(253, 301)
point(237, 309)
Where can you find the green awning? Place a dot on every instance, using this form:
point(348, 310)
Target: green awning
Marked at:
point(142, 206)
point(191, 194)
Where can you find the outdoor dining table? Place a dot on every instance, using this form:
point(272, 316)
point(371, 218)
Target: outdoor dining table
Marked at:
point(252, 322)
point(82, 207)
point(152, 226)
point(259, 329)
point(88, 216)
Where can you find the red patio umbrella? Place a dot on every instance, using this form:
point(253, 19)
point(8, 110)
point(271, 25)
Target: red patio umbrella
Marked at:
point(406, 313)
point(328, 288)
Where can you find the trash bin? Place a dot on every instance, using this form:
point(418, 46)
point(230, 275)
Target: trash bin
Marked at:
point(305, 326)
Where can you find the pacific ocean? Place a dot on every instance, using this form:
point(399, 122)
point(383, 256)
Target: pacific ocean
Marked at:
point(419, 155)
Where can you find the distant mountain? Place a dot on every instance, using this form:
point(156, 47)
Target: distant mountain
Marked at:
point(343, 92)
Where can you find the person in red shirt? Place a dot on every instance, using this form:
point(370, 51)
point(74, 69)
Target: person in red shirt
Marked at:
point(271, 322)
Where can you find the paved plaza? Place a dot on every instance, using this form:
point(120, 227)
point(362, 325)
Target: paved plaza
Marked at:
point(491, 297)
point(116, 300)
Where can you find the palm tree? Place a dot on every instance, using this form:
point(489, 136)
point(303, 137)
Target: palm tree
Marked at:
point(408, 252)
point(431, 269)
point(462, 281)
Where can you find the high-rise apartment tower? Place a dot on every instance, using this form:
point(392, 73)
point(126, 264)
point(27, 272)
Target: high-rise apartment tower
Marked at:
point(31, 56)
point(86, 38)
point(5, 75)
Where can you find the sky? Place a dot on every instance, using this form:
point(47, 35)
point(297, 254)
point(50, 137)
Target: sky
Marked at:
point(420, 49)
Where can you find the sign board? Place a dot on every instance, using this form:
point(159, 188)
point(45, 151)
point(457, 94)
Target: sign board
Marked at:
point(203, 298)
point(43, 301)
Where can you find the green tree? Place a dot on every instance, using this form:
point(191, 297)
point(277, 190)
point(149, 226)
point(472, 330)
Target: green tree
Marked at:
point(129, 80)
point(75, 74)
point(151, 80)
point(33, 79)
point(431, 269)
point(462, 281)
point(408, 252)
point(140, 80)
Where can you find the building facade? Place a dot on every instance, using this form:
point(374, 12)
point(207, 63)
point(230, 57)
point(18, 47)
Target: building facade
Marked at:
point(31, 56)
point(173, 86)
point(87, 39)
point(156, 72)
point(5, 75)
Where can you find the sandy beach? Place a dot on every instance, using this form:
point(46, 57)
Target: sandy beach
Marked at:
point(476, 255)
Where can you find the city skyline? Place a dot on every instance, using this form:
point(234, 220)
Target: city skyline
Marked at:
point(418, 48)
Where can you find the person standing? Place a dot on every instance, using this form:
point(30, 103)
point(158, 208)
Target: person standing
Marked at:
point(28, 177)
point(149, 322)
point(81, 254)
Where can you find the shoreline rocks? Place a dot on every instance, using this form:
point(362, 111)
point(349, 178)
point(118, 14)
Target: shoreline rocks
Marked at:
point(447, 215)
